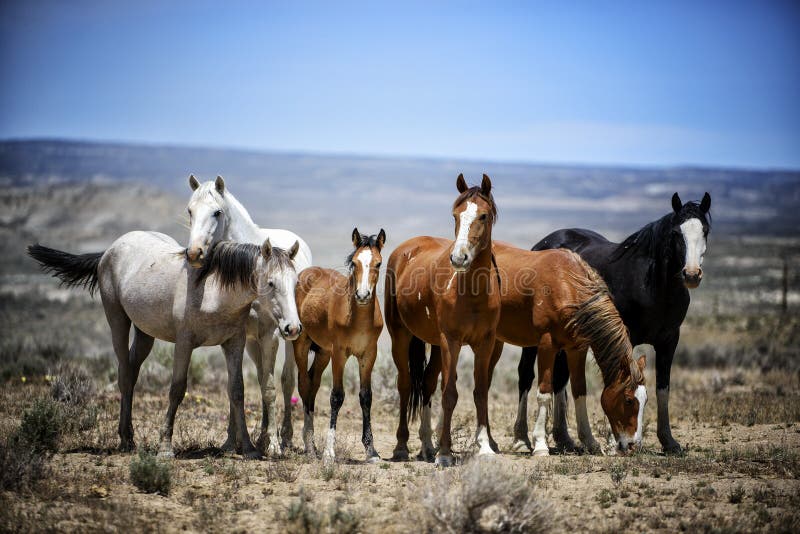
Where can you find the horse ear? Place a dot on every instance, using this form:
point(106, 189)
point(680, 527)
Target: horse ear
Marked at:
point(294, 249)
point(266, 249)
point(219, 183)
point(461, 184)
point(356, 237)
point(642, 363)
point(381, 239)
point(486, 185)
point(676, 203)
point(193, 183)
point(705, 204)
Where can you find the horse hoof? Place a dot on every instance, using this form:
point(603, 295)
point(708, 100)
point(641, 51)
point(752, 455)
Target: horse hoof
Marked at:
point(569, 447)
point(127, 446)
point(494, 446)
point(229, 446)
point(521, 446)
point(400, 455)
point(673, 449)
point(373, 459)
point(273, 449)
point(426, 455)
point(444, 460)
point(486, 453)
point(594, 448)
point(328, 460)
point(541, 451)
point(255, 454)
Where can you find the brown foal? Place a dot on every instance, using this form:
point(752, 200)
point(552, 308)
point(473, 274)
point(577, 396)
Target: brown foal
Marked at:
point(445, 293)
point(340, 318)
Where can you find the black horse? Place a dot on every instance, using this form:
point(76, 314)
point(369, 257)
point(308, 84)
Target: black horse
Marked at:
point(649, 275)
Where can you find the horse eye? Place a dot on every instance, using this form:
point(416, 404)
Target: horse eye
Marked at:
point(378, 265)
point(483, 217)
point(217, 213)
point(271, 283)
point(190, 212)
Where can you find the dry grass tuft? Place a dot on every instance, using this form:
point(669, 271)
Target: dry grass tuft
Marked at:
point(483, 496)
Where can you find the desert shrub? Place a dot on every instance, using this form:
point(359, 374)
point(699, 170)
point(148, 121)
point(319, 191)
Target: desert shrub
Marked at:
point(483, 496)
point(150, 473)
point(73, 387)
point(618, 471)
point(42, 426)
point(20, 465)
point(303, 518)
point(736, 495)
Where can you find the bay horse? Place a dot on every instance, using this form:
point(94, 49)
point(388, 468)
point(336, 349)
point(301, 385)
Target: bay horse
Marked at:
point(145, 280)
point(445, 293)
point(216, 215)
point(340, 318)
point(649, 275)
point(553, 299)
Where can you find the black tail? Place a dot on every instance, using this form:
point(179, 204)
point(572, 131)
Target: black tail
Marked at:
point(74, 270)
point(416, 364)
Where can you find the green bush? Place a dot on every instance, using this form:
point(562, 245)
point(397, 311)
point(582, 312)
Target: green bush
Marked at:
point(150, 473)
point(41, 427)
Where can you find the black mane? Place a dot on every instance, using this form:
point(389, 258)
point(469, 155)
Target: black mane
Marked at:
point(653, 239)
point(235, 264)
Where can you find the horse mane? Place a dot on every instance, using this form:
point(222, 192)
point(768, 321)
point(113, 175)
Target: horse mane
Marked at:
point(596, 320)
point(364, 240)
point(653, 238)
point(235, 264)
point(476, 191)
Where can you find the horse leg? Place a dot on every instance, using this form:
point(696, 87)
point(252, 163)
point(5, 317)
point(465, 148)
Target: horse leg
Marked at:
point(232, 443)
point(483, 359)
point(365, 364)
point(497, 351)
point(544, 396)
point(301, 347)
point(525, 373)
point(120, 325)
point(427, 451)
point(177, 390)
point(140, 349)
point(321, 359)
point(563, 369)
point(450, 352)
point(401, 341)
point(269, 427)
point(664, 353)
point(339, 358)
point(234, 353)
point(577, 366)
point(288, 382)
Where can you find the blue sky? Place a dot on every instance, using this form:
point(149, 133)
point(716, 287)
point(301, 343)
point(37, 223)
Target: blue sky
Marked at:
point(643, 83)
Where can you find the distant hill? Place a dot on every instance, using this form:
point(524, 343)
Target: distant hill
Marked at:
point(324, 196)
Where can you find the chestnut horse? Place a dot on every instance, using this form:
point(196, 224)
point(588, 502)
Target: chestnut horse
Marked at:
point(553, 299)
point(445, 293)
point(340, 317)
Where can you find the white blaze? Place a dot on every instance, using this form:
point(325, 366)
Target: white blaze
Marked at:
point(641, 395)
point(692, 231)
point(467, 217)
point(365, 257)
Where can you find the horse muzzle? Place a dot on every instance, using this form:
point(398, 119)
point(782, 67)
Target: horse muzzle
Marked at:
point(692, 279)
point(195, 257)
point(291, 332)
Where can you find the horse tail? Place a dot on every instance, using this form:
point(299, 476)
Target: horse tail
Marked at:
point(594, 319)
point(74, 270)
point(416, 365)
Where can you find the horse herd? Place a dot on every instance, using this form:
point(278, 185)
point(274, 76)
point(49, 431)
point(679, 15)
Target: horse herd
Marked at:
point(241, 286)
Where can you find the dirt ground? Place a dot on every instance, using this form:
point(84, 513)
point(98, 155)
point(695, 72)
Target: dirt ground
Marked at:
point(740, 429)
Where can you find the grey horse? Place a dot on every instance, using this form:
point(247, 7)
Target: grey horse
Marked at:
point(145, 280)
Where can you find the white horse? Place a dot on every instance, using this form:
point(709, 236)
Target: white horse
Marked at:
point(216, 215)
point(145, 280)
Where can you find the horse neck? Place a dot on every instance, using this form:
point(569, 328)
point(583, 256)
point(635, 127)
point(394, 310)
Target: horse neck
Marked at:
point(241, 227)
point(477, 272)
point(348, 307)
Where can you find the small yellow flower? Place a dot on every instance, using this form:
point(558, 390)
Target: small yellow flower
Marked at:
point(24, 379)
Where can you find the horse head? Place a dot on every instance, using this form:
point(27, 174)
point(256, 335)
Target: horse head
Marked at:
point(208, 218)
point(691, 221)
point(623, 401)
point(474, 212)
point(365, 264)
